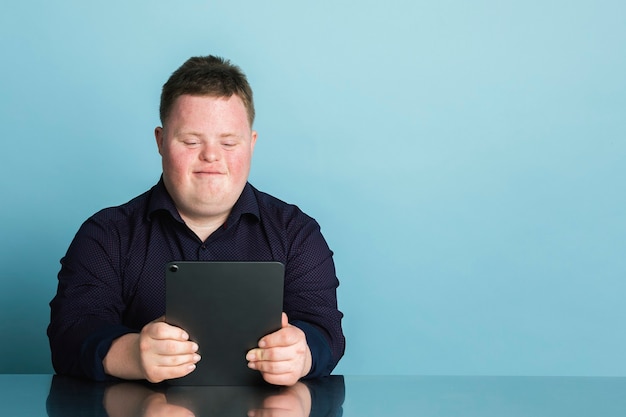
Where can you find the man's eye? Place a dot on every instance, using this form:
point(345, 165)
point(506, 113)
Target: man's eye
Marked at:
point(191, 142)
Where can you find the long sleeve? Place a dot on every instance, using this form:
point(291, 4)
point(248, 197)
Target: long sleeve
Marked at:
point(311, 296)
point(87, 309)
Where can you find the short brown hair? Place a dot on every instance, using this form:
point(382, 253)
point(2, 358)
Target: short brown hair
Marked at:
point(206, 76)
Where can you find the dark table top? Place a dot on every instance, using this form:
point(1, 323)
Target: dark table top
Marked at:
point(350, 396)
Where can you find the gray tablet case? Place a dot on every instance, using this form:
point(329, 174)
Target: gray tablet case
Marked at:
point(226, 307)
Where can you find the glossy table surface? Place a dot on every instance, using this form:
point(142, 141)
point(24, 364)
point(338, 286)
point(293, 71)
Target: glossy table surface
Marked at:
point(351, 396)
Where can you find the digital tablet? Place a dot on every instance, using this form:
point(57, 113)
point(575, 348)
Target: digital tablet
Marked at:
point(225, 307)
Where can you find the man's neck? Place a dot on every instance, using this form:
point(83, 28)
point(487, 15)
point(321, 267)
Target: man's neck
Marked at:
point(204, 228)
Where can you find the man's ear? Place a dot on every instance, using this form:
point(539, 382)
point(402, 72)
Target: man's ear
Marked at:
point(253, 140)
point(158, 135)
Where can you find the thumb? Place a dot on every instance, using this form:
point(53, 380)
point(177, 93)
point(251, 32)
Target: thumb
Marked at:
point(284, 320)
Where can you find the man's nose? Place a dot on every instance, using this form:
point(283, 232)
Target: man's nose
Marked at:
point(210, 152)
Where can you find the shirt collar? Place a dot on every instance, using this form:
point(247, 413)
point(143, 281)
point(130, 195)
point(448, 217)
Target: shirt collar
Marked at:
point(247, 204)
point(160, 200)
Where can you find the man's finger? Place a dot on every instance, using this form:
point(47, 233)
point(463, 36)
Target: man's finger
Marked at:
point(162, 331)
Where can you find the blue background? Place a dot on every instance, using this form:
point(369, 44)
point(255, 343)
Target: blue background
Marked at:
point(466, 160)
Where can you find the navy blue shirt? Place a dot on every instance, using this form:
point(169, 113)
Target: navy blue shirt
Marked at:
point(112, 278)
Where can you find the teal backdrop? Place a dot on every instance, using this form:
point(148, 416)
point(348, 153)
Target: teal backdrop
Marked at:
point(466, 160)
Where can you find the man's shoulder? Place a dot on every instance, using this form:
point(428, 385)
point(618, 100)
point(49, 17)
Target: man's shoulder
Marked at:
point(132, 211)
point(274, 206)
point(279, 215)
point(287, 223)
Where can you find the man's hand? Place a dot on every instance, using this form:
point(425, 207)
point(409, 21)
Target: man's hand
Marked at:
point(282, 357)
point(131, 399)
point(294, 401)
point(161, 351)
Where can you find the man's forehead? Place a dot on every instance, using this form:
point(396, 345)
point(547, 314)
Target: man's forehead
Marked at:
point(220, 116)
point(234, 97)
point(195, 99)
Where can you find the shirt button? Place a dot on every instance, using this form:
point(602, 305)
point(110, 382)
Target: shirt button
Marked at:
point(203, 247)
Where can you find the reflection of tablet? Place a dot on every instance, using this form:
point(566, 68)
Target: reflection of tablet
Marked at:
point(222, 401)
point(226, 307)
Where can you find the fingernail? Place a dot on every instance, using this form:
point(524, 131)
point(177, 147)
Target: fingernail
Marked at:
point(251, 365)
point(191, 367)
point(196, 358)
point(262, 344)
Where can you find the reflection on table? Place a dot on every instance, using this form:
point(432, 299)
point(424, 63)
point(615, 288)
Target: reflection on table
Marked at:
point(365, 396)
point(71, 396)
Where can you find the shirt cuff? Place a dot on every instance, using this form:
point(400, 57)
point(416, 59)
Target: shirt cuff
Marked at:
point(96, 347)
point(321, 356)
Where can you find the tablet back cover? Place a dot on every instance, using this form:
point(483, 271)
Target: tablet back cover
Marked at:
point(226, 307)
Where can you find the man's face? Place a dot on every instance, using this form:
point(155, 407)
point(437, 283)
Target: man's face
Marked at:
point(206, 147)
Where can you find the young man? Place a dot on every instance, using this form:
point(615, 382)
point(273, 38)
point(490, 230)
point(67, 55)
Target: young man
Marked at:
point(107, 315)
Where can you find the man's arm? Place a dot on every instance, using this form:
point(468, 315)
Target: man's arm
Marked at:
point(311, 297)
point(92, 298)
point(85, 314)
point(161, 351)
